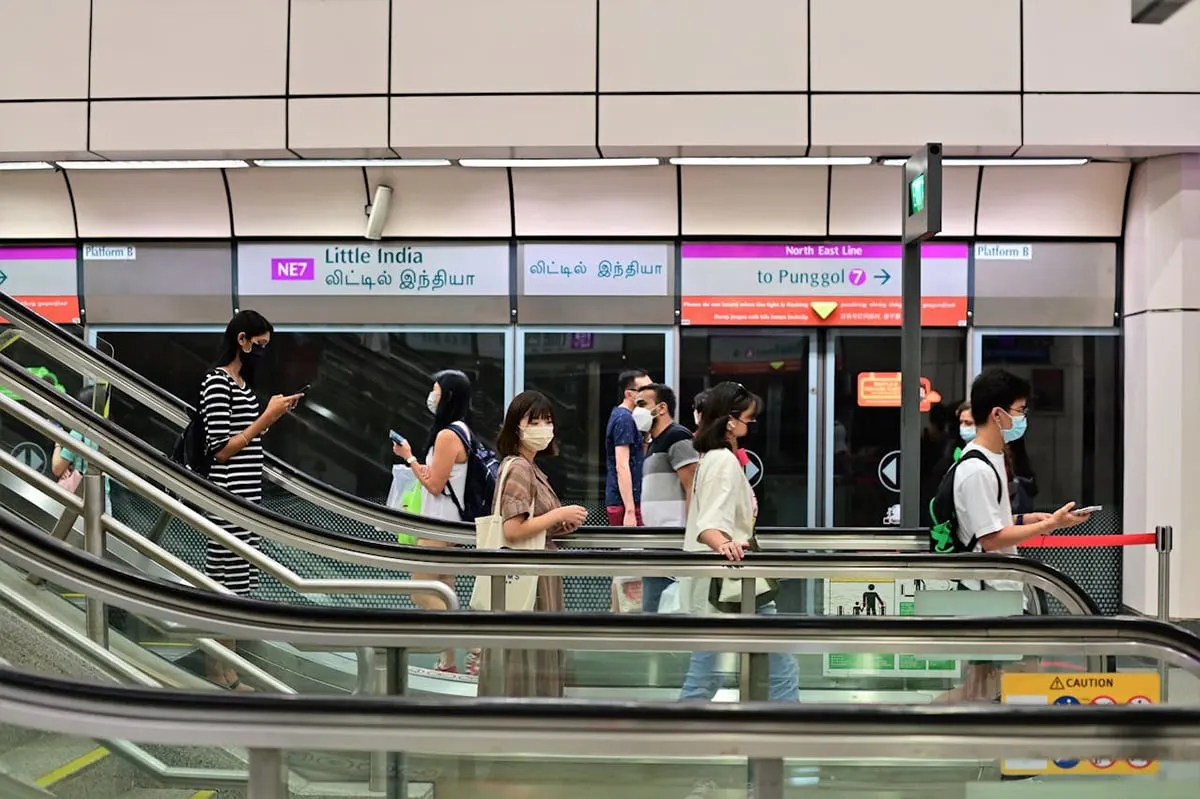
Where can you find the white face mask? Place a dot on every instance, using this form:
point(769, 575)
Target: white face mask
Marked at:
point(431, 402)
point(537, 437)
point(696, 416)
point(643, 419)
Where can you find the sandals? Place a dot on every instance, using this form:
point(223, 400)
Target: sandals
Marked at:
point(473, 659)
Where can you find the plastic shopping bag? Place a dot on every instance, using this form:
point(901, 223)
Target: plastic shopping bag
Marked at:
point(669, 602)
point(404, 495)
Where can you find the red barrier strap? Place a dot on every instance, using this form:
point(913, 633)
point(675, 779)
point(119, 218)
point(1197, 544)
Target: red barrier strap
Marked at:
point(1127, 540)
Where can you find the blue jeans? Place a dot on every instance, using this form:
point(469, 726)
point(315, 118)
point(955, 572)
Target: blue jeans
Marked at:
point(702, 680)
point(652, 591)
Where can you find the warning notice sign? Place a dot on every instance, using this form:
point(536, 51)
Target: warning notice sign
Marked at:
point(1080, 689)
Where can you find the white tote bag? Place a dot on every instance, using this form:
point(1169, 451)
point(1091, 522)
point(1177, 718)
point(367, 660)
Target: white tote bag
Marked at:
point(520, 590)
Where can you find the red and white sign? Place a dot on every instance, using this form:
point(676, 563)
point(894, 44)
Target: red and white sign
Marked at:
point(833, 284)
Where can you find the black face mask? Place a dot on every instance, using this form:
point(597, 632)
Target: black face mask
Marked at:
point(250, 360)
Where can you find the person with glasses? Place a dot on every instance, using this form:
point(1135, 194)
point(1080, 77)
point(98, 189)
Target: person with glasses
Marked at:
point(721, 519)
point(983, 507)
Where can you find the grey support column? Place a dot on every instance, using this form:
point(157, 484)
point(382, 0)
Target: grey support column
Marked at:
point(921, 213)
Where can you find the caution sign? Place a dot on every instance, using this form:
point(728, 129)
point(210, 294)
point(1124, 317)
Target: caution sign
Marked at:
point(1080, 689)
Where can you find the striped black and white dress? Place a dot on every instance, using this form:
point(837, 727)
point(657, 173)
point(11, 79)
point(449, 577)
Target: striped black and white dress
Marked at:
point(227, 409)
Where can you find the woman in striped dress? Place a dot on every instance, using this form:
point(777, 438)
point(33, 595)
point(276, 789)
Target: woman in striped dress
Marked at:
point(234, 423)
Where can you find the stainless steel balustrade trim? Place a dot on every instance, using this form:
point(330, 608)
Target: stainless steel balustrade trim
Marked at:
point(175, 776)
point(79, 357)
point(976, 636)
point(432, 560)
point(197, 520)
point(487, 727)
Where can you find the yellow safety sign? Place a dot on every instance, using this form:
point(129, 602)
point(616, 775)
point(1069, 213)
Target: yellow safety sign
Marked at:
point(1141, 688)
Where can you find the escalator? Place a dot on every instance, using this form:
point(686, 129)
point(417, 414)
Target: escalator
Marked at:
point(377, 576)
point(352, 549)
point(150, 739)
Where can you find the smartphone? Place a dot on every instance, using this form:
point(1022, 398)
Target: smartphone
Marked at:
point(394, 436)
point(1088, 509)
point(307, 387)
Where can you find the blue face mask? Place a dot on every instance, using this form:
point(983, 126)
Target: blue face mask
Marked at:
point(1017, 430)
point(967, 433)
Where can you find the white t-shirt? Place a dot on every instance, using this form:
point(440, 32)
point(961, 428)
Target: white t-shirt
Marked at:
point(979, 514)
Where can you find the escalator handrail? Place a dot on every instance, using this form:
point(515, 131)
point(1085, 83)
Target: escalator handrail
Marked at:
point(25, 546)
point(432, 726)
point(86, 360)
point(388, 555)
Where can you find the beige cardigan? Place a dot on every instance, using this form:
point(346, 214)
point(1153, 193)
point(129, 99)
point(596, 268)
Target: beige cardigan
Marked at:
point(722, 499)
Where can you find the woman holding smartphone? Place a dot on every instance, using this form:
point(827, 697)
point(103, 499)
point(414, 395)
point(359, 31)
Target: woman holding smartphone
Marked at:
point(234, 425)
point(443, 479)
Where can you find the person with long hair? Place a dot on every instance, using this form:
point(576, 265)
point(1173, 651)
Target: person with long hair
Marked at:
point(443, 479)
point(234, 425)
point(529, 507)
point(721, 519)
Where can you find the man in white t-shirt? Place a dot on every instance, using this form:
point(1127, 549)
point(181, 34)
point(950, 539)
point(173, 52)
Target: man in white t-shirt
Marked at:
point(999, 404)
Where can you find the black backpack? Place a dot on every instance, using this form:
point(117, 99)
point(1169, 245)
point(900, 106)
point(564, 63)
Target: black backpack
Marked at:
point(943, 528)
point(483, 470)
point(191, 448)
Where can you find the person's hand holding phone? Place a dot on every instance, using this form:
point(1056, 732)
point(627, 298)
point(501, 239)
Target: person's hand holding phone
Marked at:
point(400, 446)
point(280, 405)
point(1067, 516)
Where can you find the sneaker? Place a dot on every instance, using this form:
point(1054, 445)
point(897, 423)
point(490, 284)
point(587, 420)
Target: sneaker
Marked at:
point(473, 658)
point(446, 668)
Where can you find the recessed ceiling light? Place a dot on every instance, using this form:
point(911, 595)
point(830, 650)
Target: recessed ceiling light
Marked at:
point(317, 163)
point(111, 165)
point(773, 161)
point(998, 161)
point(550, 163)
point(24, 166)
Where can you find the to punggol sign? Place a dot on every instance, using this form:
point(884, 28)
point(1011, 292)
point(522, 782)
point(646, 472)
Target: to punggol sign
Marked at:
point(836, 283)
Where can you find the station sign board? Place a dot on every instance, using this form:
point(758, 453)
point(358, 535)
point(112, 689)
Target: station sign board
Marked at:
point(840, 284)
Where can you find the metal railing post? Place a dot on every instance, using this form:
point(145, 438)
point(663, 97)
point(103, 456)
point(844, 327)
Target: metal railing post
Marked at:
point(377, 779)
point(267, 780)
point(397, 685)
point(755, 666)
point(1164, 542)
point(94, 542)
point(492, 674)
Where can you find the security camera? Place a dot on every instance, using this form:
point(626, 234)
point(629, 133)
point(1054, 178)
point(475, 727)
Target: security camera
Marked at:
point(377, 213)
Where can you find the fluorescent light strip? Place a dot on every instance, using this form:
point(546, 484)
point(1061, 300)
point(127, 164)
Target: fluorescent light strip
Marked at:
point(24, 166)
point(303, 163)
point(863, 160)
point(550, 163)
point(118, 165)
point(998, 161)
